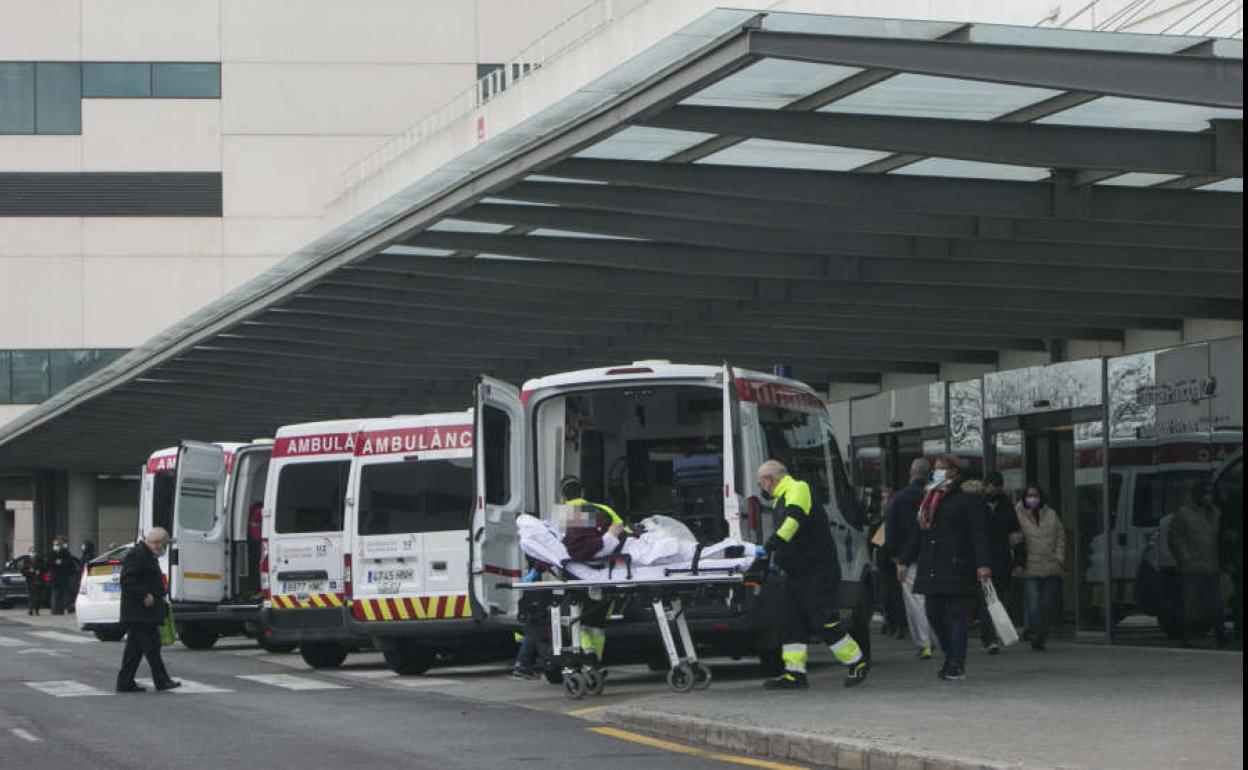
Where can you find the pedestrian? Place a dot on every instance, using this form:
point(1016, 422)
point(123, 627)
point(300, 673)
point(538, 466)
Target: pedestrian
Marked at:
point(804, 548)
point(33, 570)
point(893, 604)
point(1045, 540)
point(143, 609)
point(1005, 539)
point(902, 521)
point(1195, 539)
point(63, 567)
point(952, 556)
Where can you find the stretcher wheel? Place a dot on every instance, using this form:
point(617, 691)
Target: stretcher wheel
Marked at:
point(574, 685)
point(701, 676)
point(595, 681)
point(680, 678)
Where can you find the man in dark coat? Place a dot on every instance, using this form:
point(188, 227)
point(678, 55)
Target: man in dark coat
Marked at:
point(64, 568)
point(953, 555)
point(143, 610)
point(901, 524)
point(1005, 537)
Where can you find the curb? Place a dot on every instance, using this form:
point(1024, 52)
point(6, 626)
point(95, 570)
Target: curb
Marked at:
point(827, 751)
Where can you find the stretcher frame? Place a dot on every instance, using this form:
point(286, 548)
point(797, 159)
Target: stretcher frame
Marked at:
point(582, 672)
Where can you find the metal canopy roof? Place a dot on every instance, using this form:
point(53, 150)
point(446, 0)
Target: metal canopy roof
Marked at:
point(850, 196)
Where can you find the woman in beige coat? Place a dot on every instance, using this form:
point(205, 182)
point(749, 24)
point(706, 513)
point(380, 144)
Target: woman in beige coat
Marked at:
point(1045, 540)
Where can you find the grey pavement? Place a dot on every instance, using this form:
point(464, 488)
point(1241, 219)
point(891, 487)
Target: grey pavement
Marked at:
point(1075, 706)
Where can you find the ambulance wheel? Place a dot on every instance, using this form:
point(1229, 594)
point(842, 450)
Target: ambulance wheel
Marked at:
point(409, 659)
point(680, 678)
point(280, 647)
point(595, 681)
point(323, 654)
point(575, 686)
point(197, 636)
point(701, 676)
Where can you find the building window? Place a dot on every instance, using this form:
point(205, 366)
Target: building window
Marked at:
point(58, 98)
point(17, 98)
point(186, 81)
point(33, 376)
point(131, 80)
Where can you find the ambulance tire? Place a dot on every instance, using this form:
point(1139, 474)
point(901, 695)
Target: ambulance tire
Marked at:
point(409, 659)
point(195, 636)
point(279, 647)
point(323, 654)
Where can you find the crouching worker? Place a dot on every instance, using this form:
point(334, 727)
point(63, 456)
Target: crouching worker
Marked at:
point(582, 543)
point(803, 547)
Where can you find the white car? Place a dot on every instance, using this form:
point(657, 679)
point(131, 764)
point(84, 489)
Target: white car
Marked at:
point(99, 596)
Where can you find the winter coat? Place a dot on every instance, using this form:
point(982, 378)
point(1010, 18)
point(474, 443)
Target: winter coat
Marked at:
point(1004, 534)
point(140, 576)
point(901, 520)
point(1046, 542)
point(956, 545)
point(1194, 539)
point(63, 567)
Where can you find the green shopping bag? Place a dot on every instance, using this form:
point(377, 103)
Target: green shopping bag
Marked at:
point(168, 632)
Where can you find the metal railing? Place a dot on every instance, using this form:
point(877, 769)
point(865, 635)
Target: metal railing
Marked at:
point(550, 46)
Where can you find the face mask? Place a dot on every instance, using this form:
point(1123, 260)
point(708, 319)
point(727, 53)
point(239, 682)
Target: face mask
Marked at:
point(765, 494)
point(938, 476)
point(158, 552)
point(1032, 501)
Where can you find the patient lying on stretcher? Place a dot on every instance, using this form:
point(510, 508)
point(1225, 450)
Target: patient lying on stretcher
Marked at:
point(660, 542)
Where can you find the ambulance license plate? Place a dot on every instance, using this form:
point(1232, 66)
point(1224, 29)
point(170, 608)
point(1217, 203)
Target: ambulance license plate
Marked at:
point(304, 587)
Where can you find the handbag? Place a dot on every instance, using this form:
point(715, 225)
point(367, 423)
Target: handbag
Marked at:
point(877, 539)
point(1000, 616)
point(168, 631)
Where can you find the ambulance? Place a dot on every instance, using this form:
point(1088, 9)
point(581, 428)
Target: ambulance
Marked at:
point(406, 534)
point(650, 438)
point(206, 496)
point(301, 563)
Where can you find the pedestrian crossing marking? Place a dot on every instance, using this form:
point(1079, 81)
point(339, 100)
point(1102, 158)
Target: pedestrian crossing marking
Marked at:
point(291, 682)
point(370, 674)
point(60, 636)
point(188, 687)
point(8, 642)
point(424, 681)
point(66, 688)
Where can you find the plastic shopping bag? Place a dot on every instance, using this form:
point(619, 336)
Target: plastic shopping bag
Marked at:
point(1000, 616)
point(168, 632)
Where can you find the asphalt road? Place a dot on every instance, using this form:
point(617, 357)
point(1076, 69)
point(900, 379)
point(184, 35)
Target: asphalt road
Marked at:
point(241, 707)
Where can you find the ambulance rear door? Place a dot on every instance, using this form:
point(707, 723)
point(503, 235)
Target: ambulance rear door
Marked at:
point(732, 451)
point(498, 465)
point(198, 559)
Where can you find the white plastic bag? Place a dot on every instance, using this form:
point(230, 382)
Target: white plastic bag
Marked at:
point(1000, 616)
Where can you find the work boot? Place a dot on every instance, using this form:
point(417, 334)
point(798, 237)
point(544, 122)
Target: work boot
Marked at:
point(523, 672)
point(789, 680)
point(857, 673)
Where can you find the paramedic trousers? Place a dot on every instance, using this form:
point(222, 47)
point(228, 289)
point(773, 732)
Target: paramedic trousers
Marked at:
point(594, 614)
point(916, 611)
point(142, 641)
point(810, 610)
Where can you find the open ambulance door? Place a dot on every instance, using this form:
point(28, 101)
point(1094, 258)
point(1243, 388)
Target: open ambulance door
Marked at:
point(732, 453)
point(498, 465)
point(197, 559)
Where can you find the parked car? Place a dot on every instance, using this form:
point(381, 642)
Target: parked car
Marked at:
point(13, 583)
point(99, 596)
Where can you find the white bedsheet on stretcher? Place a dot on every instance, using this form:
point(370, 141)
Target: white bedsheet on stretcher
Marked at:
point(652, 554)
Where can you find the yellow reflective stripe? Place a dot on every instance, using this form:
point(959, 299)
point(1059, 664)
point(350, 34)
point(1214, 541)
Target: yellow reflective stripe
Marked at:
point(316, 600)
point(200, 575)
point(790, 491)
point(401, 608)
point(422, 609)
point(384, 606)
point(788, 529)
point(333, 599)
point(367, 605)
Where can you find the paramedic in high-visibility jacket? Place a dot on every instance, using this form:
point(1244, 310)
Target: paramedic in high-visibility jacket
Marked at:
point(595, 611)
point(803, 547)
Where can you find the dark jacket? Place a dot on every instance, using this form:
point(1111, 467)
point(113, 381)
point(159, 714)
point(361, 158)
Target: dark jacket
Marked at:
point(1005, 536)
point(34, 569)
point(140, 576)
point(901, 520)
point(957, 543)
point(63, 567)
point(803, 542)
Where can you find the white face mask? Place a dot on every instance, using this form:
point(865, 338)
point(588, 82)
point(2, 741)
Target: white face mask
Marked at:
point(938, 476)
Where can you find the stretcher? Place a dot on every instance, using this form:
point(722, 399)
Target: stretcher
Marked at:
point(665, 588)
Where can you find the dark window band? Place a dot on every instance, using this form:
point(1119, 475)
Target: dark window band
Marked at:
point(111, 194)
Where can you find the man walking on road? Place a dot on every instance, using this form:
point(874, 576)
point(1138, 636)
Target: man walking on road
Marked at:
point(143, 609)
point(804, 549)
point(901, 523)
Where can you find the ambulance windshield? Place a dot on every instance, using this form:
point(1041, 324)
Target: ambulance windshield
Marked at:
point(415, 497)
point(642, 450)
point(803, 441)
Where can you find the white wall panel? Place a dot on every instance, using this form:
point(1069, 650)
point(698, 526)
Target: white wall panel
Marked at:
point(151, 30)
point(151, 135)
point(264, 236)
point(129, 299)
point(39, 30)
point(358, 31)
point(286, 98)
point(40, 153)
point(40, 237)
point(505, 27)
point(41, 302)
point(152, 236)
point(287, 176)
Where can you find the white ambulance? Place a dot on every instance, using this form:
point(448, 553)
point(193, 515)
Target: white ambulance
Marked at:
point(659, 438)
point(406, 530)
point(207, 497)
point(301, 570)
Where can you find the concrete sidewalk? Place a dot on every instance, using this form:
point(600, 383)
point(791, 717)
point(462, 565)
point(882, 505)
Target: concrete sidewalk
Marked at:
point(1076, 706)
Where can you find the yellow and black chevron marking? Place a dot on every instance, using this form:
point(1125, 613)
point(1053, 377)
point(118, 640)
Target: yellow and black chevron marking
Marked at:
point(412, 608)
point(312, 602)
